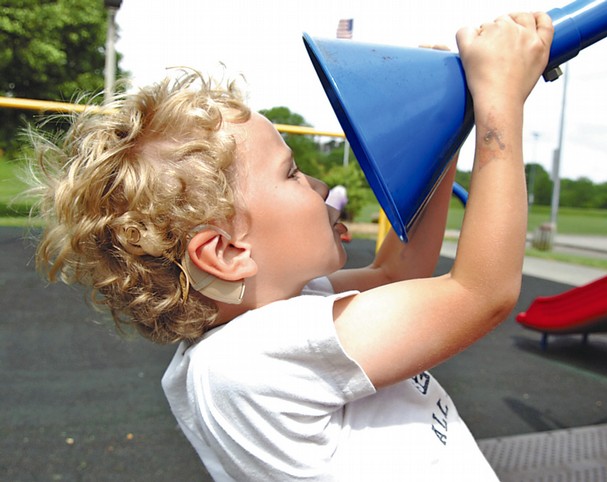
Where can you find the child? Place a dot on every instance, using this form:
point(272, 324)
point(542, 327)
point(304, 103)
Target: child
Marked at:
point(187, 216)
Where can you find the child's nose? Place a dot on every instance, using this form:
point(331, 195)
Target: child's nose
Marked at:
point(320, 187)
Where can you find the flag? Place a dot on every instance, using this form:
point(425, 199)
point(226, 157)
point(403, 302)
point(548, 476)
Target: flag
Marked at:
point(344, 28)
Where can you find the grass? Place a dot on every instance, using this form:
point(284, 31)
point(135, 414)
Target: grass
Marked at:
point(568, 258)
point(13, 206)
point(589, 222)
point(585, 222)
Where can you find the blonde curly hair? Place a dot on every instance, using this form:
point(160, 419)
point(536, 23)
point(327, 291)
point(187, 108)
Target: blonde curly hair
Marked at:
point(121, 190)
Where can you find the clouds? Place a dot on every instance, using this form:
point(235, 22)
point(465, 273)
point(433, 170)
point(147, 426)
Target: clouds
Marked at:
point(262, 40)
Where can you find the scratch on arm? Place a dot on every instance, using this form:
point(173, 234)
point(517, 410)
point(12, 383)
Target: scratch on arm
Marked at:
point(494, 134)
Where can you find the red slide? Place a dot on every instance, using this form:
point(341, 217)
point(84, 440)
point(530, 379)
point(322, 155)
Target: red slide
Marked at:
point(579, 310)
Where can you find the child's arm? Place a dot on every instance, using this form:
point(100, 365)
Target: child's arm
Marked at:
point(398, 261)
point(397, 330)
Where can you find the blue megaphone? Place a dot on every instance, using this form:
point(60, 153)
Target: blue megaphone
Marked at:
point(407, 111)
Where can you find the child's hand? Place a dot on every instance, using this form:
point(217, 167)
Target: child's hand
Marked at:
point(507, 56)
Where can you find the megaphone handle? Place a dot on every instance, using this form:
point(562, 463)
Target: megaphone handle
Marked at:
point(576, 26)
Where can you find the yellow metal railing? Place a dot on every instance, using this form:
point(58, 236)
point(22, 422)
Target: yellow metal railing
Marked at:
point(306, 130)
point(40, 105)
point(49, 105)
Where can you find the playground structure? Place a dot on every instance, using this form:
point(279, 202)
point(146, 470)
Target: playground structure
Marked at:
point(581, 310)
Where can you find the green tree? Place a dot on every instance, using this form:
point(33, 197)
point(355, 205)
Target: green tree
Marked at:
point(579, 193)
point(601, 196)
point(539, 181)
point(333, 155)
point(51, 50)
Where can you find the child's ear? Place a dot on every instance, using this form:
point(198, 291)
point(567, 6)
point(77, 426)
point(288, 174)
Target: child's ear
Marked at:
point(213, 251)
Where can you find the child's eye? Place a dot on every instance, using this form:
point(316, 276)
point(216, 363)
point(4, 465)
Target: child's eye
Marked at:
point(294, 172)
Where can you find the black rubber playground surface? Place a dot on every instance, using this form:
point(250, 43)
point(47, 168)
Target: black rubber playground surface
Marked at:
point(80, 403)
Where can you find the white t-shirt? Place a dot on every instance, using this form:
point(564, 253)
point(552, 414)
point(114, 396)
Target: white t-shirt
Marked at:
point(273, 396)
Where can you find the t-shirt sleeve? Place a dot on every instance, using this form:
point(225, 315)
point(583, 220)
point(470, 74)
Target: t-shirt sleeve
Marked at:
point(295, 341)
point(275, 378)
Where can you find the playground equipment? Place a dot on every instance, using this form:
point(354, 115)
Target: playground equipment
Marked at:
point(581, 310)
point(460, 193)
point(379, 93)
point(53, 106)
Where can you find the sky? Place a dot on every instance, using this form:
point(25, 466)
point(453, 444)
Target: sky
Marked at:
point(262, 41)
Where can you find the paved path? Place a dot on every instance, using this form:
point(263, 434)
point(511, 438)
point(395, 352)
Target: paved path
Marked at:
point(560, 272)
point(596, 245)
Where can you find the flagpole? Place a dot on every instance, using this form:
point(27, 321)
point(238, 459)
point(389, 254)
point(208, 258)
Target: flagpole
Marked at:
point(345, 29)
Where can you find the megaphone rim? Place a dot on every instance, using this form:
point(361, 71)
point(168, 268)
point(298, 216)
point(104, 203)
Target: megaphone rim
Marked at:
point(352, 134)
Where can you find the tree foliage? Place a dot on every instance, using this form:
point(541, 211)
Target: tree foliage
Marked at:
point(578, 193)
point(50, 50)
